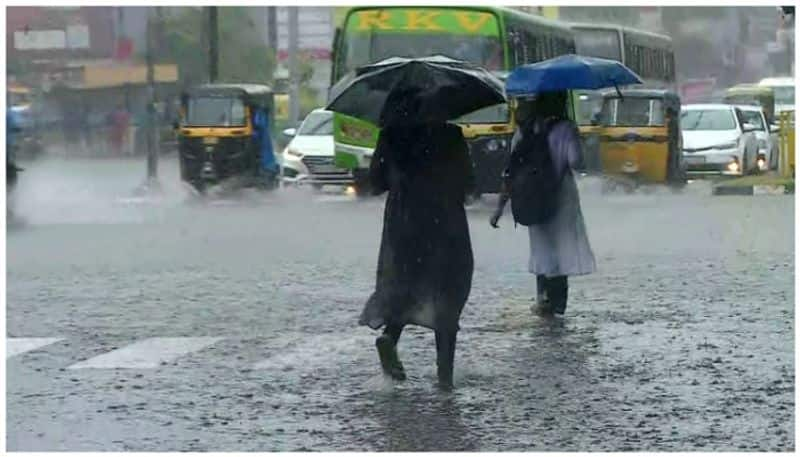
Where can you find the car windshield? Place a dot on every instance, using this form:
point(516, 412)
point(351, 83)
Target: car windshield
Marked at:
point(633, 112)
point(495, 114)
point(784, 95)
point(753, 117)
point(707, 119)
point(216, 112)
point(317, 124)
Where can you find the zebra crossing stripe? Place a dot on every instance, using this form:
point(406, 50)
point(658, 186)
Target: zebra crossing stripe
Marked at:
point(316, 351)
point(17, 346)
point(149, 353)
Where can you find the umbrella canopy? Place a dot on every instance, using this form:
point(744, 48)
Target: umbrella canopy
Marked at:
point(428, 89)
point(566, 73)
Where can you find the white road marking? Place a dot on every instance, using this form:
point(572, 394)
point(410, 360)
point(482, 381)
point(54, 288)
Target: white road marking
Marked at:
point(314, 351)
point(149, 353)
point(17, 346)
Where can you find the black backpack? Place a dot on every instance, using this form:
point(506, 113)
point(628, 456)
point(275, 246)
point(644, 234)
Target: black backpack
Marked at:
point(534, 181)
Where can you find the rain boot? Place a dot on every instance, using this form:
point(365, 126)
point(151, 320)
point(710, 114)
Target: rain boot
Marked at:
point(542, 306)
point(387, 352)
point(558, 292)
point(445, 355)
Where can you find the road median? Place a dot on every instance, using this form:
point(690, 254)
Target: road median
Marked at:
point(766, 184)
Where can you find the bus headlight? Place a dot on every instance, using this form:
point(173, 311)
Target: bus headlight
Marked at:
point(493, 145)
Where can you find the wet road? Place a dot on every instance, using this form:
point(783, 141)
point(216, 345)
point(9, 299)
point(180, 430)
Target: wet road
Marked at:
point(169, 325)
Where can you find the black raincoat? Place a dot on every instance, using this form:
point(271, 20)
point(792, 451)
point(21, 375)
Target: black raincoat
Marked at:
point(425, 262)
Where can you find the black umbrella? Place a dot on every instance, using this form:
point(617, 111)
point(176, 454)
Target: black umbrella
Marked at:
point(428, 89)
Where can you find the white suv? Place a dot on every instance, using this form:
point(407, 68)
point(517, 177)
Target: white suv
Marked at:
point(716, 140)
point(766, 135)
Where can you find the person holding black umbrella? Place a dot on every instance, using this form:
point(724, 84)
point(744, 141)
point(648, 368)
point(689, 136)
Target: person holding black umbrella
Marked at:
point(425, 262)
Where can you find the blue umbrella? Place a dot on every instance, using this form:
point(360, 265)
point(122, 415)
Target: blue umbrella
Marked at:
point(566, 73)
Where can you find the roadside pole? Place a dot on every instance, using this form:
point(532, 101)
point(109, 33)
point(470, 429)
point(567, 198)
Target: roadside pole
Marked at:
point(294, 77)
point(152, 127)
point(213, 45)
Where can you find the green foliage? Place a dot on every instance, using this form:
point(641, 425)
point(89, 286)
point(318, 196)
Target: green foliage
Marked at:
point(242, 56)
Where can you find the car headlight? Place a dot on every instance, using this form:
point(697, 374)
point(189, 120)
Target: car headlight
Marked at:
point(731, 145)
point(733, 166)
point(293, 152)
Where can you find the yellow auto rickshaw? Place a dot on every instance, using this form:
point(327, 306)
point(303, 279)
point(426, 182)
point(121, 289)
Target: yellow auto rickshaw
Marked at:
point(588, 104)
point(488, 133)
point(753, 94)
point(640, 138)
point(223, 133)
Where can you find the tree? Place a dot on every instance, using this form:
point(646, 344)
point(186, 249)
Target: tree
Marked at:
point(242, 55)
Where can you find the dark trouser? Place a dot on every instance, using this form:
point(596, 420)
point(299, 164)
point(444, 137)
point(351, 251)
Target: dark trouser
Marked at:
point(445, 351)
point(555, 289)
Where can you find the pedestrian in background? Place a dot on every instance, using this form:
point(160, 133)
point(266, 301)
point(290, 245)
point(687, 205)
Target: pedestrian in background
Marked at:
point(559, 248)
point(119, 123)
point(425, 263)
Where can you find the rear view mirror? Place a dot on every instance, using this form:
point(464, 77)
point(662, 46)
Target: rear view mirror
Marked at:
point(749, 127)
point(774, 128)
point(290, 133)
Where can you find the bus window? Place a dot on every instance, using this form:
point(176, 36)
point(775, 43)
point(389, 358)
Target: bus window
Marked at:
point(598, 43)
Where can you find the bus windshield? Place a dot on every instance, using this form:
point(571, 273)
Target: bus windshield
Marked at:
point(363, 49)
point(600, 43)
point(784, 94)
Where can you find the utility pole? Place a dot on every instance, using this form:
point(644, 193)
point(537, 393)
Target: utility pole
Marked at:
point(294, 77)
point(151, 130)
point(213, 45)
point(272, 28)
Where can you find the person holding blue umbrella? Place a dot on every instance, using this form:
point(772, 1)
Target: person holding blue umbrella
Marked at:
point(540, 180)
point(559, 247)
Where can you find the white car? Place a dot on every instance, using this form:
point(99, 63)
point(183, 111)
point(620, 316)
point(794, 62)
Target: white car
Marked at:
point(717, 141)
point(784, 92)
point(766, 135)
point(308, 158)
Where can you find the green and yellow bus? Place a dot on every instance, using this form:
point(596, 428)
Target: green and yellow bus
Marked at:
point(498, 39)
